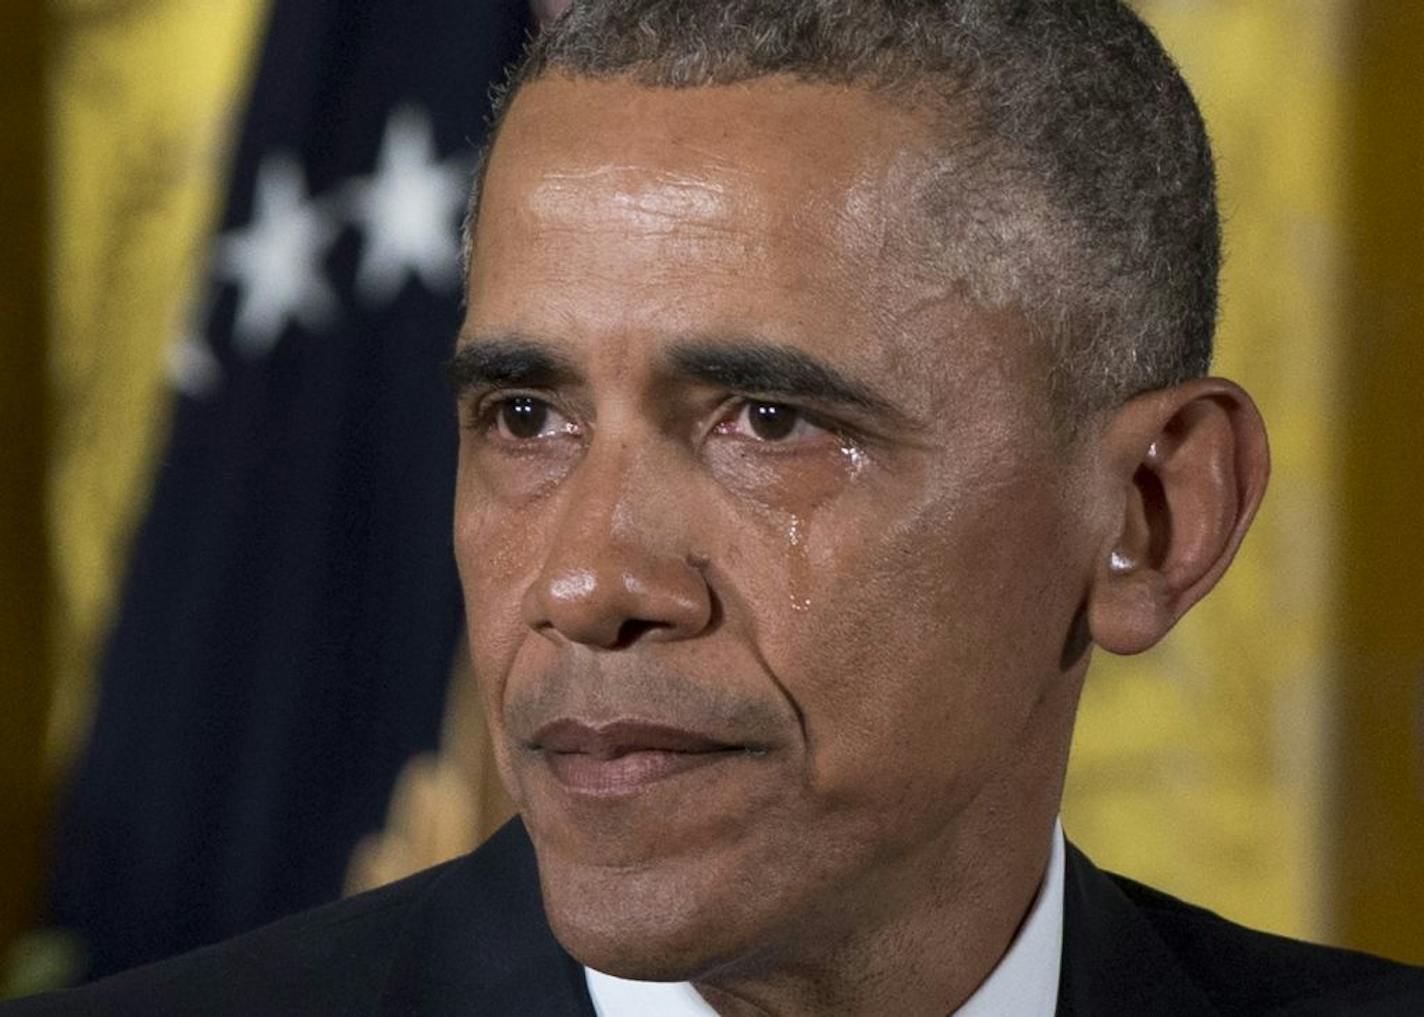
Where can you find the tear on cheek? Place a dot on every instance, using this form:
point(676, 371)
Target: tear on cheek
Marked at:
point(855, 460)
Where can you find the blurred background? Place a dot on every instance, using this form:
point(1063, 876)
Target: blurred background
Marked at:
point(231, 684)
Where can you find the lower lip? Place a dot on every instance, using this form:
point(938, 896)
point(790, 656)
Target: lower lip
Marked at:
point(595, 776)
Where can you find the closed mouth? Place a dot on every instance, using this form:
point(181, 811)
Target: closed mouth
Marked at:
point(625, 756)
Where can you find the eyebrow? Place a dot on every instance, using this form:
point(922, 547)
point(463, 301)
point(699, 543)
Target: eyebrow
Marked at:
point(756, 366)
point(739, 363)
point(482, 362)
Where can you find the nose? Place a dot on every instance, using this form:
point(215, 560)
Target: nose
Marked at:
point(616, 571)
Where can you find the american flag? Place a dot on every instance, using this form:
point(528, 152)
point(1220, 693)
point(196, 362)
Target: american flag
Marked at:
point(291, 609)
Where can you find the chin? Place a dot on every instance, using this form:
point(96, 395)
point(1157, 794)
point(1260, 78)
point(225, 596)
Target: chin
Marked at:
point(650, 923)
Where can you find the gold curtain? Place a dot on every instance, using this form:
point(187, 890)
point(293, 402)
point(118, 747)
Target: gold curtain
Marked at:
point(1265, 760)
point(26, 601)
point(142, 99)
point(1196, 767)
point(1377, 821)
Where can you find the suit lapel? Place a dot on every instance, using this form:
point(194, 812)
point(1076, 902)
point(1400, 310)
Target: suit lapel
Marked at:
point(1113, 960)
point(478, 943)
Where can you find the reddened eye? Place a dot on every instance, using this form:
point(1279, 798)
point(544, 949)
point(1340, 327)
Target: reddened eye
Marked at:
point(773, 423)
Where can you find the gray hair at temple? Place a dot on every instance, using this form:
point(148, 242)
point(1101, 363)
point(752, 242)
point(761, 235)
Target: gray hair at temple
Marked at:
point(1074, 180)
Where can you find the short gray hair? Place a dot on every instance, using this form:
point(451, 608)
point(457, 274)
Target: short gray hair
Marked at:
point(1078, 183)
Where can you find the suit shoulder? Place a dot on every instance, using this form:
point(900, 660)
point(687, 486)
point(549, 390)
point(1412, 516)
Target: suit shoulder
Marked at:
point(1245, 971)
point(332, 959)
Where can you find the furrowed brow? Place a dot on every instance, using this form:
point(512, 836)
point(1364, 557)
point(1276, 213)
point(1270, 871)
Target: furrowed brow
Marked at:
point(489, 362)
point(762, 368)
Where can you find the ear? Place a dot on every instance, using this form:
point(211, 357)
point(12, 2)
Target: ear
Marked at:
point(1187, 469)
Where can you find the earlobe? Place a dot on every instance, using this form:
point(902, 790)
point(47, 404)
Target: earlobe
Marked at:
point(1187, 468)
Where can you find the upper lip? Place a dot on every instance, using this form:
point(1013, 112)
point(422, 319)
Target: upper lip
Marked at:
point(620, 737)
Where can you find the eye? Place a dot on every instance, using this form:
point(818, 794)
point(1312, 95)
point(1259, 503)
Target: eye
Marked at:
point(525, 418)
point(770, 422)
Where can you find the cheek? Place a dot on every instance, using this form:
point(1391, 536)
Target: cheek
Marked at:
point(913, 647)
point(491, 551)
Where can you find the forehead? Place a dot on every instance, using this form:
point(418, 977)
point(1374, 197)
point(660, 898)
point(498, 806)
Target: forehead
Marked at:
point(775, 208)
point(773, 141)
point(801, 183)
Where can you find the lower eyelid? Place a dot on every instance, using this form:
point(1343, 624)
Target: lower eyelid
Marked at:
point(819, 440)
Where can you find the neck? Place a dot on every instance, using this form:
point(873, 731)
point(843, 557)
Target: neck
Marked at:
point(921, 938)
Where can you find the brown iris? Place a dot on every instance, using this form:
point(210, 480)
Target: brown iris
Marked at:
point(772, 421)
point(524, 417)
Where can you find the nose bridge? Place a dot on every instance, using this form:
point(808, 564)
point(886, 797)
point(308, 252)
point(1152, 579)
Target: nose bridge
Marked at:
point(611, 511)
point(616, 566)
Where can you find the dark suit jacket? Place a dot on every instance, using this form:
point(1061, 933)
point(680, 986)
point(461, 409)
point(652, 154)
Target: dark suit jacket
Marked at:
point(469, 937)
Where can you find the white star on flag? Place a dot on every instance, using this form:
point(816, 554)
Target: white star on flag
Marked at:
point(276, 259)
point(409, 210)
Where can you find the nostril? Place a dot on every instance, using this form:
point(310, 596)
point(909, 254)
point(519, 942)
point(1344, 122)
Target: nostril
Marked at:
point(634, 629)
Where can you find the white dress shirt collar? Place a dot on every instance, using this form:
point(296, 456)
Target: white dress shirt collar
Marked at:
point(1025, 981)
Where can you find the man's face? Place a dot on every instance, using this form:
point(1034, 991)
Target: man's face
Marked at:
point(769, 552)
